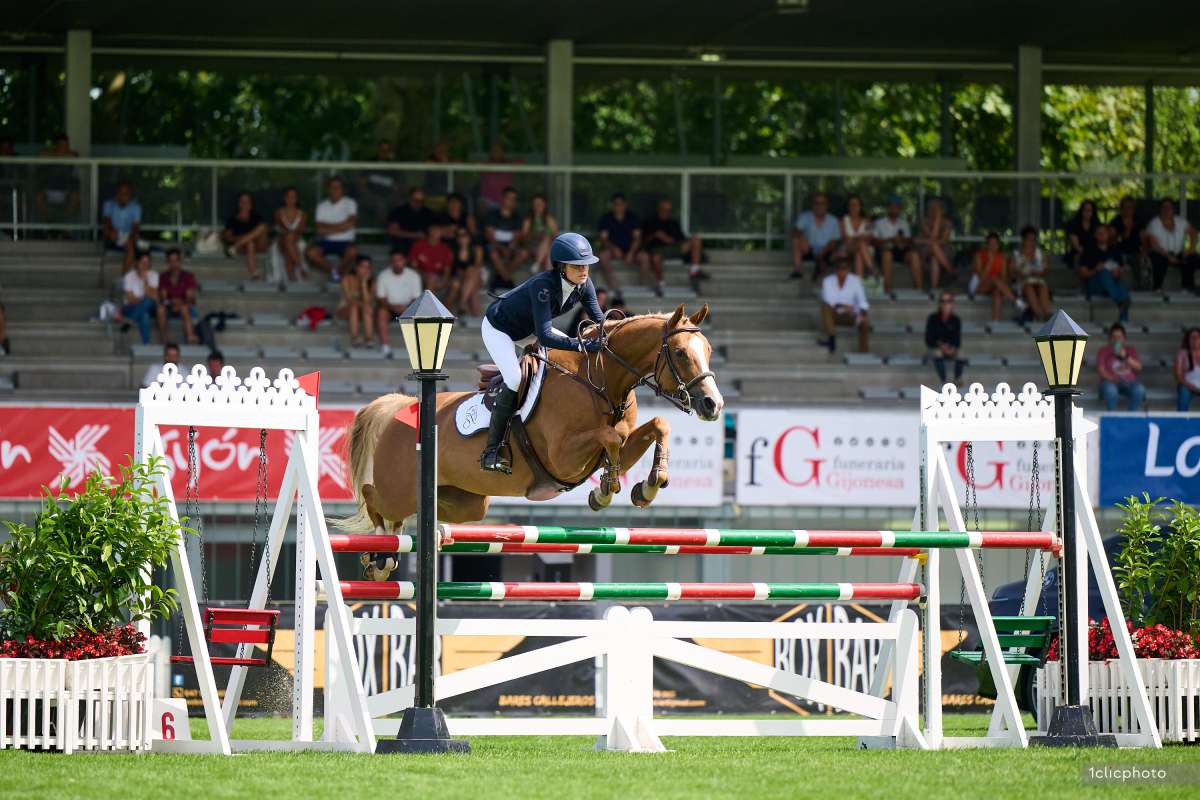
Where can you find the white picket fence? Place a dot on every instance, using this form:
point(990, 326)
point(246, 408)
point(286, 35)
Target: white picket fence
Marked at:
point(98, 704)
point(1173, 686)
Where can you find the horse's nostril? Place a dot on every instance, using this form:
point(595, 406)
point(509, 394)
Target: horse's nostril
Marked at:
point(708, 406)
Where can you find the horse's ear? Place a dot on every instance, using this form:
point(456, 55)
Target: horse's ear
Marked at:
point(699, 316)
point(678, 315)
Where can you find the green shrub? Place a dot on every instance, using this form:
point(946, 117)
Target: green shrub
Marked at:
point(85, 563)
point(1135, 567)
point(1158, 566)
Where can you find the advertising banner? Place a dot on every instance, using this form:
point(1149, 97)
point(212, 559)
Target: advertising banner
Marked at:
point(1159, 454)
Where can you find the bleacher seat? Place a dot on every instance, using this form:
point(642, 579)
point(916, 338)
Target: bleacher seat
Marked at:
point(872, 393)
point(270, 320)
point(366, 354)
point(259, 287)
point(326, 353)
point(285, 353)
point(904, 360)
point(376, 388)
point(862, 360)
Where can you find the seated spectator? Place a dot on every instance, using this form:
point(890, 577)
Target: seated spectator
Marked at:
point(455, 218)
point(140, 299)
point(815, 235)
point(932, 246)
point(620, 237)
point(1081, 232)
point(409, 223)
point(1027, 268)
point(1130, 233)
point(581, 314)
point(177, 295)
point(538, 231)
point(843, 302)
point(1119, 365)
point(432, 258)
point(290, 222)
point(662, 236)
point(1172, 243)
point(246, 233)
point(215, 363)
point(991, 274)
point(502, 233)
point(122, 221)
point(1187, 369)
point(856, 238)
point(170, 356)
point(58, 200)
point(334, 250)
point(493, 183)
point(466, 275)
point(395, 288)
point(1100, 269)
point(893, 239)
point(357, 305)
point(943, 337)
point(377, 188)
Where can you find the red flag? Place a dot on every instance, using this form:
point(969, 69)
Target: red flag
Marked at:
point(409, 415)
point(311, 383)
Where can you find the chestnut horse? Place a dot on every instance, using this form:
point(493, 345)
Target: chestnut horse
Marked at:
point(586, 418)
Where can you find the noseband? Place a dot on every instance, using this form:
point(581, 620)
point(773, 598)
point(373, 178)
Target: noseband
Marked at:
point(681, 397)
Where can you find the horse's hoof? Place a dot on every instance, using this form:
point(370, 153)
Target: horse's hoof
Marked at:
point(597, 501)
point(638, 497)
point(379, 569)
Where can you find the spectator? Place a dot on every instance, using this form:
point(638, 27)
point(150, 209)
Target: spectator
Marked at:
point(61, 185)
point(357, 305)
point(466, 275)
point(843, 302)
point(1100, 269)
point(140, 298)
point(432, 258)
point(893, 238)
point(290, 221)
point(581, 314)
point(856, 238)
point(502, 231)
point(538, 230)
point(1187, 369)
point(1027, 268)
point(932, 246)
point(494, 183)
point(943, 337)
point(122, 220)
point(1081, 231)
point(215, 363)
point(815, 236)
point(410, 222)
point(1119, 365)
point(377, 186)
point(1172, 242)
point(395, 288)
point(455, 218)
point(1129, 232)
point(246, 233)
point(337, 215)
point(991, 274)
point(177, 295)
point(170, 356)
point(620, 237)
point(662, 234)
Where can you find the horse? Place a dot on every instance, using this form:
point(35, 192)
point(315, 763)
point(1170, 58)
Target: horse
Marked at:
point(586, 419)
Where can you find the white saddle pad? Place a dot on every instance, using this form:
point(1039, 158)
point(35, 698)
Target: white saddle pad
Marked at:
point(471, 416)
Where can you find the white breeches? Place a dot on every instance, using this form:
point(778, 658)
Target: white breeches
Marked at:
point(503, 351)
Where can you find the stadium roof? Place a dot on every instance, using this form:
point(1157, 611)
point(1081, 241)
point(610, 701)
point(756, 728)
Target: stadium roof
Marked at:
point(1099, 40)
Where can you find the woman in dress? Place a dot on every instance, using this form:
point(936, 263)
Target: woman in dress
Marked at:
point(466, 274)
point(1027, 267)
point(856, 236)
point(991, 274)
point(932, 246)
point(1081, 232)
point(290, 221)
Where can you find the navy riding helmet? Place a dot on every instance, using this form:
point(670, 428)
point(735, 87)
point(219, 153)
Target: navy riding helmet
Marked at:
point(572, 248)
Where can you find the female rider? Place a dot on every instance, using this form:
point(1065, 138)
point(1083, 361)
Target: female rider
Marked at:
point(528, 310)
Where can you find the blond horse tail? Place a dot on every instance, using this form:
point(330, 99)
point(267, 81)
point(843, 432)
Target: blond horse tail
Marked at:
point(365, 431)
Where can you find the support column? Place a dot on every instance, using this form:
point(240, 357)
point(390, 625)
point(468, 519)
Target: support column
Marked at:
point(1027, 136)
point(78, 123)
point(1148, 154)
point(560, 95)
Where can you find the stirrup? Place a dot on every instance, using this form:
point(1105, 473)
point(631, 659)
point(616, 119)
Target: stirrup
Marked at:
point(493, 460)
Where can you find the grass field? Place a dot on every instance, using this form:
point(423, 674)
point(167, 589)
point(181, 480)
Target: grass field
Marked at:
point(559, 767)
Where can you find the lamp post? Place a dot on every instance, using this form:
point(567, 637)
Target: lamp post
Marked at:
point(426, 325)
point(1060, 345)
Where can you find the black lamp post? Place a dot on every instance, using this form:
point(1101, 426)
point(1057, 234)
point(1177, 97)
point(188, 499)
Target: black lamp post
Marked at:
point(1060, 346)
point(426, 325)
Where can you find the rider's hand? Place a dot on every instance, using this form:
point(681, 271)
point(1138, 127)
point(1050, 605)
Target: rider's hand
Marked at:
point(590, 345)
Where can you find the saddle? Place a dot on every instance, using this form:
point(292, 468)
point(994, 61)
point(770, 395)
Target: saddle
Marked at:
point(491, 381)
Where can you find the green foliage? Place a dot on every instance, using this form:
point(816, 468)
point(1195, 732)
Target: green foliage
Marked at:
point(1135, 566)
point(1176, 598)
point(1158, 575)
point(85, 562)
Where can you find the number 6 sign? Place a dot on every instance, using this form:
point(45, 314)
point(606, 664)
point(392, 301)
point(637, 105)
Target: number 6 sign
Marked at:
point(170, 720)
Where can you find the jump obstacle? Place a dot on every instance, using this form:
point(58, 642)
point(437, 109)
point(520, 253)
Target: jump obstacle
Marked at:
point(661, 591)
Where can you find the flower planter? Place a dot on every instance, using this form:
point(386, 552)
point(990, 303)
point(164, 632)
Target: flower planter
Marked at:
point(1172, 685)
point(98, 704)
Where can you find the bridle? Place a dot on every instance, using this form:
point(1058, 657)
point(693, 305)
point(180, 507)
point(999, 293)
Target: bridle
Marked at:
point(682, 396)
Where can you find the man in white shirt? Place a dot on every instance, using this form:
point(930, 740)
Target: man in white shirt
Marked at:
point(892, 239)
point(334, 250)
point(1171, 241)
point(843, 302)
point(395, 288)
point(170, 356)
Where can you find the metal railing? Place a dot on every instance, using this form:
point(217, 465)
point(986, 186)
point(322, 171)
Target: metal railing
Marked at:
point(738, 206)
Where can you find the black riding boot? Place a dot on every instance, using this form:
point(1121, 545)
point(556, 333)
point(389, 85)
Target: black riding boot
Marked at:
point(493, 458)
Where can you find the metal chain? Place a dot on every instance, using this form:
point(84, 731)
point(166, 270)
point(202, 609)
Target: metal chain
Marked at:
point(260, 502)
point(1033, 518)
point(192, 506)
